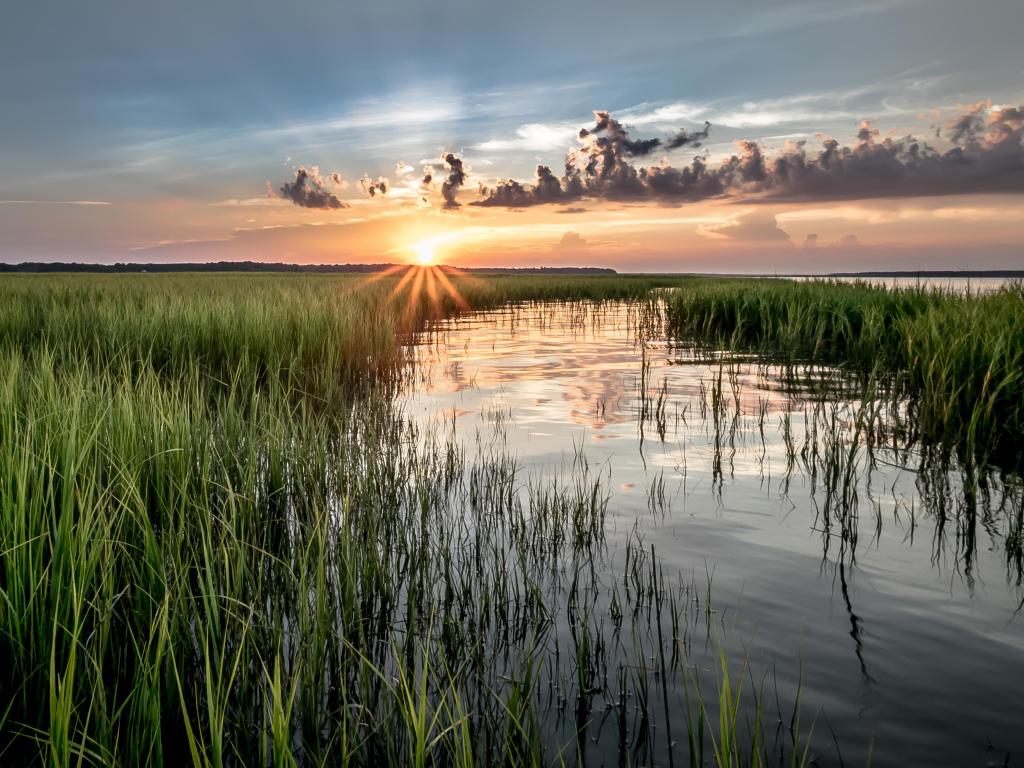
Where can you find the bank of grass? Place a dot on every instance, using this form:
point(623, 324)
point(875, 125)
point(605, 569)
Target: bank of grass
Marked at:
point(958, 357)
point(220, 545)
point(313, 333)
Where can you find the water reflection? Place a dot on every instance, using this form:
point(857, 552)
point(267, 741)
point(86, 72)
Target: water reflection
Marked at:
point(840, 549)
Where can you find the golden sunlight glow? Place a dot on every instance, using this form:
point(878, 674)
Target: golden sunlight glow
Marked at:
point(425, 254)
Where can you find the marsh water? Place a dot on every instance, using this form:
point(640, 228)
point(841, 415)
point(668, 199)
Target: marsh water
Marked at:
point(972, 285)
point(878, 585)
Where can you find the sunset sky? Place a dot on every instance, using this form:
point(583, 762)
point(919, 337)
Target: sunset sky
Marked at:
point(671, 136)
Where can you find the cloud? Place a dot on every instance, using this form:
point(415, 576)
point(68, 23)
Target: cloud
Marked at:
point(963, 129)
point(395, 111)
point(263, 201)
point(572, 241)
point(1005, 124)
point(307, 190)
point(686, 138)
point(374, 188)
point(599, 167)
point(986, 156)
point(668, 115)
point(547, 188)
point(456, 178)
point(532, 137)
point(608, 136)
point(759, 226)
point(811, 240)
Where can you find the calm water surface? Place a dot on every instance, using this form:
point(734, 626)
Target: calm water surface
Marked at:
point(955, 284)
point(902, 620)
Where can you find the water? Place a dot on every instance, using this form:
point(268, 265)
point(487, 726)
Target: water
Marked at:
point(954, 284)
point(901, 619)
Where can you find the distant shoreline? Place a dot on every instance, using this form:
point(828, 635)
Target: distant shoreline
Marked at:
point(961, 273)
point(259, 266)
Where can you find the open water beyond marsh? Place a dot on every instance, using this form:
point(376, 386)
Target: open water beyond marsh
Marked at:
point(819, 554)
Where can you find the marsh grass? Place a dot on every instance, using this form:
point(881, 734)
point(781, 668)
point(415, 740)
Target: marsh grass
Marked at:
point(221, 545)
point(957, 357)
point(858, 456)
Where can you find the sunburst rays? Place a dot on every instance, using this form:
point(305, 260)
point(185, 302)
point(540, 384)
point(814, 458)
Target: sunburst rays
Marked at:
point(433, 283)
point(417, 284)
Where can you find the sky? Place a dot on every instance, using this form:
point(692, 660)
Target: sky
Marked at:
point(674, 136)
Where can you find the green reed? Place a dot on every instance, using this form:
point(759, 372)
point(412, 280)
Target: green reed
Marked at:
point(318, 335)
point(959, 357)
point(220, 545)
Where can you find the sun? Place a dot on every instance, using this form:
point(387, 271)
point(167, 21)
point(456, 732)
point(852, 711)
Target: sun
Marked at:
point(425, 255)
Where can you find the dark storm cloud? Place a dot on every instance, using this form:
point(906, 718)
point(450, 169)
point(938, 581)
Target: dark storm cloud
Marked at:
point(307, 190)
point(640, 147)
point(547, 188)
point(986, 156)
point(1004, 124)
point(603, 159)
point(1013, 116)
point(455, 179)
point(609, 134)
point(964, 128)
point(686, 138)
point(599, 167)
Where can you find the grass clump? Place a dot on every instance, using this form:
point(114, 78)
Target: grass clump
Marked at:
point(959, 357)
